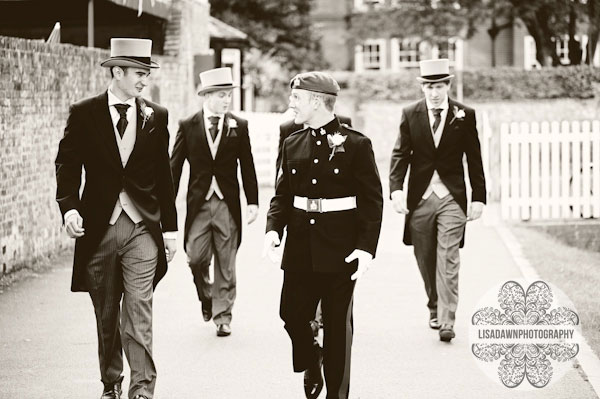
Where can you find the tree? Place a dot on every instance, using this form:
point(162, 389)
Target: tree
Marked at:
point(280, 29)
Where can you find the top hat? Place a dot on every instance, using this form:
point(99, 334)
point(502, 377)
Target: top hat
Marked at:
point(130, 53)
point(216, 79)
point(433, 71)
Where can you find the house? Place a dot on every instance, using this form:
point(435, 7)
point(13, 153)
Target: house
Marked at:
point(513, 46)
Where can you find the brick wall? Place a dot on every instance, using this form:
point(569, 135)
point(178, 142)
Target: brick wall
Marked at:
point(38, 82)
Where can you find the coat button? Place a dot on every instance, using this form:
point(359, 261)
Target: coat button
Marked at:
point(293, 171)
point(336, 171)
point(316, 160)
point(318, 142)
point(312, 221)
point(314, 181)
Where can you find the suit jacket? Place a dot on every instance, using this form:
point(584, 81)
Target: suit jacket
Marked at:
point(191, 144)
point(415, 147)
point(323, 244)
point(289, 127)
point(89, 142)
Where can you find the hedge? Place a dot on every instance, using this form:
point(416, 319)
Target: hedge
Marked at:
point(503, 83)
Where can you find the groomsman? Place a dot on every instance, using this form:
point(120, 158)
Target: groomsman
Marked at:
point(329, 198)
point(126, 208)
point(434, 134)
point(214, 141)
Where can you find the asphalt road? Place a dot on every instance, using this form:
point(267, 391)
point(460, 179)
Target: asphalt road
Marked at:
point(48, 337)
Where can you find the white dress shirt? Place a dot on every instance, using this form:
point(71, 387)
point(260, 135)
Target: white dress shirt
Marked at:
point(214, 146)
point(436, 185)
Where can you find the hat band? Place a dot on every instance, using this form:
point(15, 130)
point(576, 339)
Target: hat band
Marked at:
point(435, 77)
point(144, 60)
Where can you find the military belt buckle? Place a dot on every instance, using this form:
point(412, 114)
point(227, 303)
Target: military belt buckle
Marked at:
point(314, 205)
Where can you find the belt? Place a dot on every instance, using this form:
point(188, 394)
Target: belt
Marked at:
point(322, 205)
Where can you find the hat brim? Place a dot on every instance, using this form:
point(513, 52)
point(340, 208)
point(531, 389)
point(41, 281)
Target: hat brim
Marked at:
point(209, 89)
point(127, 62)
point(434, 80)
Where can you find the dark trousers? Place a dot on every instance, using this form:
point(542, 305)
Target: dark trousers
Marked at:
point(214, 233)
point(437, 227)
point(300, 295)
point(124, 265)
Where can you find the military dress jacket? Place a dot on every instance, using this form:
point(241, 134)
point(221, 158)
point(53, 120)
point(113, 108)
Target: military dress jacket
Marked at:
point(415, 148)
point(321, 241)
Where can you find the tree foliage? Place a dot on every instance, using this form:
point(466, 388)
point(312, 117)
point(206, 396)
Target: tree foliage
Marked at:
point(280, 29)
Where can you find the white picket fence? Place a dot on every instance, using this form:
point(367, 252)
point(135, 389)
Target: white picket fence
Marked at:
point(263, 128)
point(550, 170)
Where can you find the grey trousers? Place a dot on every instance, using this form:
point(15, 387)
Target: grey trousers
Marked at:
point(214, 232)
point(123, 266)
point(437, 228)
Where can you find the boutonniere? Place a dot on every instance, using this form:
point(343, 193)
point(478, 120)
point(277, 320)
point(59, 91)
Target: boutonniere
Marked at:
point(146, 113)
point(231, 124)
point(458, 114)
point(336, 143)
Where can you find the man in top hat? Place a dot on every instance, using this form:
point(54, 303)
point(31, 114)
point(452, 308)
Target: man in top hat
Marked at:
point(434, 134)
point(214, 141)
point(330, 201)
point(125, 221)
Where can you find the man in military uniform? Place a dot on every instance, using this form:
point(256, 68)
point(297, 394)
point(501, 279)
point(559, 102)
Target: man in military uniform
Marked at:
point(329, 197)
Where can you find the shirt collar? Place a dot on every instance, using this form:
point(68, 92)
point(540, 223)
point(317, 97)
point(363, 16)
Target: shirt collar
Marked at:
point(113, 99)
point(330, 127)
point(443, 105)
point(208, 113)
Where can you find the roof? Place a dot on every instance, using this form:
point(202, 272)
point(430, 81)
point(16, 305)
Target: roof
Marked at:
point(220, 30)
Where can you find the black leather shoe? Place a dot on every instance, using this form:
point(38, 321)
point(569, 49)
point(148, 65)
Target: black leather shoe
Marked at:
point(207, 310)
point(112, 391)
point(313, 377)
point(446, 333)
point(223, 330)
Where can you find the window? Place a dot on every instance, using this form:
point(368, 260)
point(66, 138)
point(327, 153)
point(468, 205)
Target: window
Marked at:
point(405, 53)
point(370, 55)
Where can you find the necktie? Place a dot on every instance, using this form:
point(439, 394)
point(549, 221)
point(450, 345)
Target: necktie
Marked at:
point(122, 122)
point(214, 127)
point(437, 114)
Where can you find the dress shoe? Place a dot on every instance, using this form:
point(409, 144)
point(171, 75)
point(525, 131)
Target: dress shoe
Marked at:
point(223, 330)
point(140, 397)
point(434, 323)
point(112, 391)
point(446, 333)
point(207, 310)
point(313, 378)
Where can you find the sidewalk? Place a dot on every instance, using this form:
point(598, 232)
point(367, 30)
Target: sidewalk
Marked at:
point(48, 338)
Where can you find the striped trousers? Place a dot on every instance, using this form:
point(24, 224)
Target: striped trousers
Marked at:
point(123, 266)
point(300, 295)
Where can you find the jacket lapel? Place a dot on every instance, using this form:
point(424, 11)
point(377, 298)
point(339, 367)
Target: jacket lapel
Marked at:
point(140, 134)
point(224, 134)
point(446, 131)
point(424, 126)
point(101, 115)
point(199, 132)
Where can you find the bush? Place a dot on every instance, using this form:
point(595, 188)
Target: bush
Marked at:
point(502, 83)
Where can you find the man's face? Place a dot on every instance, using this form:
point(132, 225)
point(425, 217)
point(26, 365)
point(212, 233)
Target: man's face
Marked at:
point(301, 105)
point(219, 101)
point(435, 92)
point(131, 81)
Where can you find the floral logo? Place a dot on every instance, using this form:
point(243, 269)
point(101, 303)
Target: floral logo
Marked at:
point(146, 112)
point(525, 335)
point(458, 114)
point(336, 143)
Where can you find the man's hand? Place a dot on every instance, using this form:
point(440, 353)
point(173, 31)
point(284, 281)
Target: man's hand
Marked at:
point(74, 225)
point(271, 242)
point(364, 262)
point(251, 213)
point(399, 202)
point(170, 248)
point(475, 210)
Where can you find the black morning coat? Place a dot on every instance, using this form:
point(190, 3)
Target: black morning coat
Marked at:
point(191, 143)
point(89, 141)
point(415, 147)
point(321, 241)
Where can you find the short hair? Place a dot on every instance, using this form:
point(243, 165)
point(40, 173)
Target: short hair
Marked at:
point(328, 100)
point(447, 82)
point(112, 74)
